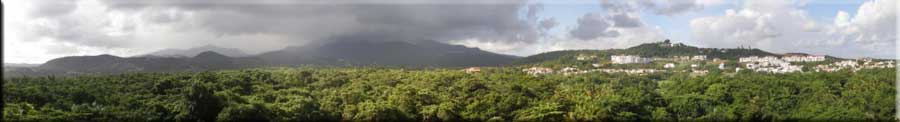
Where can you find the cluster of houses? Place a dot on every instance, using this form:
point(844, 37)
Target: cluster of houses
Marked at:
point(574, 71)
point(770, 64)
point(629, 59)
point(538, 70)
point(626, 71)
point(689, 58)
point(803, 58)
point(847, 64)
point(869, 64)
point(854, 65)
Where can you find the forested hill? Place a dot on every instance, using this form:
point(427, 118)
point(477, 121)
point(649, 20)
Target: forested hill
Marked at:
point(663, 49)
point(113, 64)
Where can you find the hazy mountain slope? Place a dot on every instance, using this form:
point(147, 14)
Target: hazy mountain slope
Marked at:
point(389, 53)
point(20, 65)
point(230, 52)
point(338, 53)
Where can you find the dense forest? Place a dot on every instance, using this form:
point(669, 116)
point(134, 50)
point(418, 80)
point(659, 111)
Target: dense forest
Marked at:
point(494, 94)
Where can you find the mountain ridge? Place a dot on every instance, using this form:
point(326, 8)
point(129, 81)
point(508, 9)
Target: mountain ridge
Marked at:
point(336, 53)
point(191, 52)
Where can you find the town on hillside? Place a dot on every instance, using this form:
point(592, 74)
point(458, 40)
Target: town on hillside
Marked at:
point(703, 64)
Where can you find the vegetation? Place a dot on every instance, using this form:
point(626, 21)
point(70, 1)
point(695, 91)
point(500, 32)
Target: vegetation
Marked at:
point(494, 94)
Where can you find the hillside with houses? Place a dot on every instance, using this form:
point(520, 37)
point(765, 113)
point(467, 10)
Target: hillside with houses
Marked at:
point(666, 56)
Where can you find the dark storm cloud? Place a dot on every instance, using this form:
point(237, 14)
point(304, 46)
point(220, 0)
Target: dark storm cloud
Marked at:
point(533, 9)
point(48, 8)
point(76, 30)
point(661, 7)
point(617, 6)
point(625, 21)
point(622, 14)
point(360, 19)
point(670, 7)
point(592, 26)
point(548, 24)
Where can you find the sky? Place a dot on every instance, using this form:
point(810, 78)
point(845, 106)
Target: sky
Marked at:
point(36, 31)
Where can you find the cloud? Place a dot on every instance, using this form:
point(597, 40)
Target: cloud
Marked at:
point(737, 28)
point(628, 37)
point(591, 26)
point(782, 27)
point(594, 25)
point(85, 25)
point(60, 48)
point(51, 8)
point(671, 7)
point(660, 7)
point(619, 27)
point(872, 29)
point(547, 24)
point(362, 19)
point(625, 20)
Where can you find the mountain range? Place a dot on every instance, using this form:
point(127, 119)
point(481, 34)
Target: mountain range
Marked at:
point(335, 53)
point(352, 53)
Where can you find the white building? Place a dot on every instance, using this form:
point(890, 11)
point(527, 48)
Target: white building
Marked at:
point(698, 58)
point(769, 64)
point(799, 58)
point(628, 59)
point(847, 63)
point(721, 65)
point(759, 59)
point(669, 65)
point(568, 69)
point(538, 70)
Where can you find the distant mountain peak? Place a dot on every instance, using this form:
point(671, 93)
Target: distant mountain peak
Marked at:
point(210, 54)
point(106, 55)
point(230, 52)
point(209, 46)
point(385, 52)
